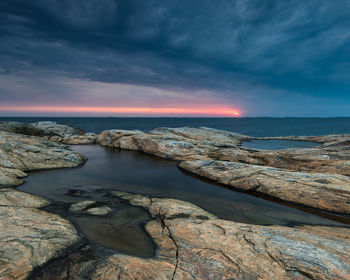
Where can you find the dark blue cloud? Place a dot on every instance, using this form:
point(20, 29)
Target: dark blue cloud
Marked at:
point(300, 48)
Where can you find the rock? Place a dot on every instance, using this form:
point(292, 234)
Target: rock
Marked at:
point(332, 159)
point(172, 208)
point(43, 128)
point(29, 237)
point(54, 128)
point(210, 144)
point(329, 192)
point(203, 134)
point(53, 131)
point(168, 145)
point(99, 211)
point(85, 139)
point(116, 138)
point(21, 128)
point(82, 205)
point(90, 207)
point(21, 153)
point(78, 193)
point(193, 247)
point(11, 197)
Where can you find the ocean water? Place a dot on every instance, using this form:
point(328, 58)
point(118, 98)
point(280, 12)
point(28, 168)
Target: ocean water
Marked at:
point(257, 127)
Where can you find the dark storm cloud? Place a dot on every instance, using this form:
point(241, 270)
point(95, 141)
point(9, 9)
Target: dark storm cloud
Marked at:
point(251, 46)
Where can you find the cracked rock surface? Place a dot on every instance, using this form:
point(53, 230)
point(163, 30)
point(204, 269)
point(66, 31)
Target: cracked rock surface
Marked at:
point(29, 237)
point(198, 245)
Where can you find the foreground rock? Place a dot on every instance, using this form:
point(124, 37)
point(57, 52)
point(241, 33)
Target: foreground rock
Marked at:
point(21, 153)
point(193, 244)
point(322, 191)
point(29, 237)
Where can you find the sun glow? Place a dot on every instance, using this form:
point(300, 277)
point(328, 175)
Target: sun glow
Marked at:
point(213, 111)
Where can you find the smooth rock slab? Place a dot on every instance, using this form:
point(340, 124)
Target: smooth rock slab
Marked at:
point(12, 197)
point(329, 192)
point(29, 237)
point(99, 211)
point(196, 248)
point(81, 205)
point(21, 153)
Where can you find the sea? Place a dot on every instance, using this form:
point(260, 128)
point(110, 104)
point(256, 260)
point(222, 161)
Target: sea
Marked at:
point(256, 127)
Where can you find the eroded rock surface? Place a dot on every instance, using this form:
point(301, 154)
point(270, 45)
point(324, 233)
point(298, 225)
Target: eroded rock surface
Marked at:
point(55, 128)
point(193, 244)
point(329, 192)
point(29, 237)
point(53, 131)
point(176, 144)
point(21, 153)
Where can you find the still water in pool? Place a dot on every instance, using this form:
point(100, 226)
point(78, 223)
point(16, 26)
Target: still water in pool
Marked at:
point(136, 172)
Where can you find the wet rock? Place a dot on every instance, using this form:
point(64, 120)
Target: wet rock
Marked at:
point(190, 247)
point(172, 208)
point(78, 193)
point(29, 237)
point(82, 205)
point(21, 153)
point(99, 211)
point(90, 207)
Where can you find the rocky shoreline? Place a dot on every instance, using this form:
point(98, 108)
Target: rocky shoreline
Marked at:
point(190, 242)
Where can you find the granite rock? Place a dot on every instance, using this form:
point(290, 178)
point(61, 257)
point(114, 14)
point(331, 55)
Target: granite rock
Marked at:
point(22, 153)
point(29, 237)
point(329, 192)
point(205, 247)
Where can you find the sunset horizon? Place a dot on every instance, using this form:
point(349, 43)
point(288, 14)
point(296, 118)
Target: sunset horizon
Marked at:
point(184, 55)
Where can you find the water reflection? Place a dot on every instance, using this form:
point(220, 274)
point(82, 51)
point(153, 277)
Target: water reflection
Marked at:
point(136, 172)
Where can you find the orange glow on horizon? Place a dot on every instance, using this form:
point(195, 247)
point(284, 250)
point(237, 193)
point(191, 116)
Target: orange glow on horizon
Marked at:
point(124, 110)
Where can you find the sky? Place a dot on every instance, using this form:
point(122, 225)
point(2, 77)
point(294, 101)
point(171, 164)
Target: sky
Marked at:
point(175, 58)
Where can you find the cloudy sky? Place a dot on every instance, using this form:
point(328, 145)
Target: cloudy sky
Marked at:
point(183, 57)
